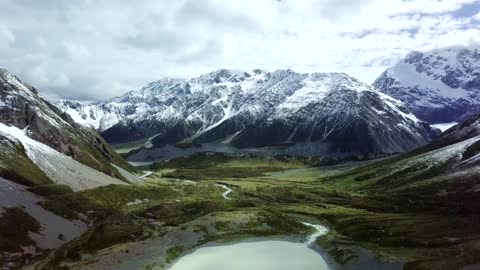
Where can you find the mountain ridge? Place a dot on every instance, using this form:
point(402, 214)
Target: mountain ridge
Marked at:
point(23, 111)
point(261, 109)
point(439, 86)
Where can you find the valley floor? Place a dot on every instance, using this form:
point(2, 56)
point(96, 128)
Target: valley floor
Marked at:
point(187, 202)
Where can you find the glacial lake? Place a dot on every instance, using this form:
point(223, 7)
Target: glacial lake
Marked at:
point(261, 255)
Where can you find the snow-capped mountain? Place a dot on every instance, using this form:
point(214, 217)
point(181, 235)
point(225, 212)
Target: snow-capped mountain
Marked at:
point(99, 116)
point(36, 139)
point(440, 86)
point(332, 112)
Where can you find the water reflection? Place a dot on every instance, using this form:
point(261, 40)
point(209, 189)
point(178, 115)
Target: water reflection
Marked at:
point(262, 255)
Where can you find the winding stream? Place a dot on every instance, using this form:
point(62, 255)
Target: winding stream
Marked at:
point(319, 231)
point(227, 191)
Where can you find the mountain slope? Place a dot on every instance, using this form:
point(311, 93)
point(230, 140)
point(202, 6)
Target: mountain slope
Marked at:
point(17, 166)
point(450, 163)
point(21, 107)
point(97, 116)
point(318, 113)
point(44, 151)
point(468, 129)
point(418, 210)
point(440, 86)
point(60, 168)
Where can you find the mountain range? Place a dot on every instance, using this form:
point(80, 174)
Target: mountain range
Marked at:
point(283, 111)
point(64, 189)
point(296, 113)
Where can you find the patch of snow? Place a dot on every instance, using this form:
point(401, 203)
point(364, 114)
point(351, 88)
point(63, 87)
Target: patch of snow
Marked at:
point(230, 138)
point(312, 92)
point(437, 79)
point(442, 155)
point(444, 126)
point(408, 75)
point(77, 117)
point(148, 143)
point(132, 178)
point(146, 174)
point(228, 112)
point(378, 111)
point(394, 104)
point(58, 167)
point(91, 115)
point(15, 82)
point(54, 120)
point(138, 201)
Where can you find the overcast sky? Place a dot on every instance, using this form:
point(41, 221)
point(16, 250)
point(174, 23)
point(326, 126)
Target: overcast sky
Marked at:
point(90, 50)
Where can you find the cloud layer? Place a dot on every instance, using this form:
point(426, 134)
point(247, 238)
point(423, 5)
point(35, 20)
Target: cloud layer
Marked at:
point(92, 50)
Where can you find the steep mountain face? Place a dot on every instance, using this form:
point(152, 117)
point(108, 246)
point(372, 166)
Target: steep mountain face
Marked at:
point(439, 86)
point(22, 110)
point(42, 148)
point(16, 165)
point(448, 166)
point(321, 113)
point(467, 130)
point(99, 116)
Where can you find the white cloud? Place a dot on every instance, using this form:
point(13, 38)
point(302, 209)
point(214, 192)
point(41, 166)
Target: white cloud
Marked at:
point(60, 80)
point(75, 52)
point(97, 49)
point(477, 16)
point(6, 37)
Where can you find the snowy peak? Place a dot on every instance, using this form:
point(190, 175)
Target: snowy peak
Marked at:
point(97, 116)
point(167, 97)
point(455, 67)
point(439, 86)
point(259, 109)
point(16, 85)
point(19, 100)
point(223, 76)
